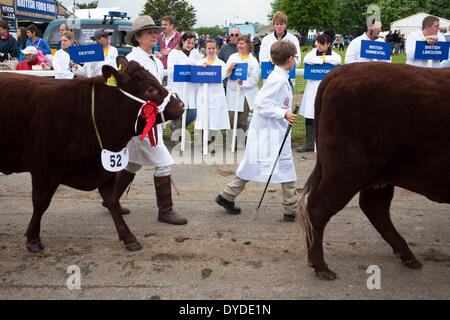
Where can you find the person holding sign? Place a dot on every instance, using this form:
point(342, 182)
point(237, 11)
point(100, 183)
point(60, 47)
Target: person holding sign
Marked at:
point(248, 88)
point(217, 104)
point(184, 54)
point(265, 136)
point(143, 38)
point(61, 59)
point(280, 33)
point(373, 29)
point(94, 68)
point(318, 56)
point(429, 34)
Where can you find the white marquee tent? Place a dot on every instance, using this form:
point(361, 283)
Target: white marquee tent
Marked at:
point(414, 22)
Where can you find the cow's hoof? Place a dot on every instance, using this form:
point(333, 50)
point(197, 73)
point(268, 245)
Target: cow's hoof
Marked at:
point(413, 264)
point(136, 246)
point(326, 275)
point(35, 247)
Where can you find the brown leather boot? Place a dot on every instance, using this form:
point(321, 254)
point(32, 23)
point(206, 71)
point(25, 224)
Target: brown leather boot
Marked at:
point(123, 180)
point(164, 202)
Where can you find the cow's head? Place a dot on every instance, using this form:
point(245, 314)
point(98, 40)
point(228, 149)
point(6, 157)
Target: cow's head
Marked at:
point(134, 79)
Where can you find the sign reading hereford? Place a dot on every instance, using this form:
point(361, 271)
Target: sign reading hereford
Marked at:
point(317, 71)
point(88, 53)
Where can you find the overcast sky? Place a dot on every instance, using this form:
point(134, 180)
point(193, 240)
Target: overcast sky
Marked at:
point(209, 12)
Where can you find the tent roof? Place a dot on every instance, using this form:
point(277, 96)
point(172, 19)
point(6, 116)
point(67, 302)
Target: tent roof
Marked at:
point(416, 20)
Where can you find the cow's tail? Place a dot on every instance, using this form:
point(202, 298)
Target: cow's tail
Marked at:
point(303, 216)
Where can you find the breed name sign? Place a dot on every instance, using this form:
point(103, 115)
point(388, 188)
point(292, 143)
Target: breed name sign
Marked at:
point(87, 53)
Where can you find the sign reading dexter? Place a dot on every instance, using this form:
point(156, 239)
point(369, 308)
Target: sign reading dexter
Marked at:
point(375, 50)
point(437, 51)
point(87, 53)
point(181, 73)
point(37, 6)
point(267, 68)
point(210, 74)
point(317, 71)
point(240, 72)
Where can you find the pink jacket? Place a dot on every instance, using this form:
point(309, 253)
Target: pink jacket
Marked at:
point(172, 44)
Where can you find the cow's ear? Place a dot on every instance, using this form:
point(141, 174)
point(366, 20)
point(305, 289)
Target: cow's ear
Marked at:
point(110, 75)
point(122, 63)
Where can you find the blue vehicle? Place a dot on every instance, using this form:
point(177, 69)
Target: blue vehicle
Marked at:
point(84, 29)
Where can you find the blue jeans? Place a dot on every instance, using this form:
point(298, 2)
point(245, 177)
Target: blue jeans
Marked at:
point(191, 115)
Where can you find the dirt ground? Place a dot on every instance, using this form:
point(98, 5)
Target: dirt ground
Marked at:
point(215, 256)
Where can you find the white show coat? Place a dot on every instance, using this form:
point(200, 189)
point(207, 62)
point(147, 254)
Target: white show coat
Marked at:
point(217, 104)
point(353, 53)
point(178, 57)
point(269, 40)
point(61, 65)
point(410, 48)
point(142, 152)
point(249, 88)
point(309, 97)
point(95, 67)
point(266, 133)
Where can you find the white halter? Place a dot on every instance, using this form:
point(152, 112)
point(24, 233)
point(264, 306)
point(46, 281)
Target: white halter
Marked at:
point(161, 107)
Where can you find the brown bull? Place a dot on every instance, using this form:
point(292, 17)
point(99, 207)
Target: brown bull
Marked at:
point(46, 128)
point(377, 126)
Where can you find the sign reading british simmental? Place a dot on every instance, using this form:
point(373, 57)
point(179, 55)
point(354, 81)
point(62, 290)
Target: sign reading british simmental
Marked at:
point(375, 50)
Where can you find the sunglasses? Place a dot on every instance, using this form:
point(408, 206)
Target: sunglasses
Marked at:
point(234, 34)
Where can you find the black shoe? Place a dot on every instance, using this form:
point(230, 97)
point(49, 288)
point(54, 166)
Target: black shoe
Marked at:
point(289, 217)
point(229, 206)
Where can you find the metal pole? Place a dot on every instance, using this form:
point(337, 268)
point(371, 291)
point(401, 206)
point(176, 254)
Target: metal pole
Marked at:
point(205, 120)
point(183, 120)
point(235, 120)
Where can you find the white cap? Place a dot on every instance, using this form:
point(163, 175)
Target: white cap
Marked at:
point(30, 50)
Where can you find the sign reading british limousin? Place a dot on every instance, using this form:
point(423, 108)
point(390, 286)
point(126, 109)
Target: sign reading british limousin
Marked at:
point(317, 71)
point(210, 74)
point(437, 51)
point(181, 73)
point(87, 53)
point(240, 72)
point(268, 67)
point(37, 6)
point(375, 50)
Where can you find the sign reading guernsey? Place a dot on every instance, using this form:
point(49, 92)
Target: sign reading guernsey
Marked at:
point(375, 50)
point(210, 74)
point(437, 51)
point(267, 68)
point(88, 53)
point(317, 71)
point(181, 73)
point(240, 72)
point(37, 6)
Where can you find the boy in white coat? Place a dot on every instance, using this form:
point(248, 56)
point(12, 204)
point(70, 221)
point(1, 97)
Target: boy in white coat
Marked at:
point(318, 56)
point(267, 129)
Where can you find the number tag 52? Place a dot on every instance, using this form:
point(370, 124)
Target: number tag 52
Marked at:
point(115, 161)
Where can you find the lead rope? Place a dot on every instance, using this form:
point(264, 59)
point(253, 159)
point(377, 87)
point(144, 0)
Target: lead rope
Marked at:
point(93, 119)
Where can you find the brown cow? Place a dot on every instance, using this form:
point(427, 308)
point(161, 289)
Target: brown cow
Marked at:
point(47, 129)
point(377, 126)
